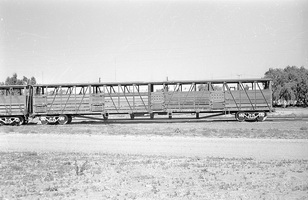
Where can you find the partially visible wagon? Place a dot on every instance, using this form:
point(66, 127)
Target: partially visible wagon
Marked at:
point(15, 104)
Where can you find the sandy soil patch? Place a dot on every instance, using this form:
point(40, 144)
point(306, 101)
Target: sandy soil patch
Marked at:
point(263, 149)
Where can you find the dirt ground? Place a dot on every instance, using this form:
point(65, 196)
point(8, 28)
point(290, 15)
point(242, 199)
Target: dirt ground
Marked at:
point(262, 149)
point(211, 160)
point(270, 129)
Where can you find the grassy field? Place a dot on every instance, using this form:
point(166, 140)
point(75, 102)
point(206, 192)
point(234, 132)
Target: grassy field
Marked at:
point(31, 175)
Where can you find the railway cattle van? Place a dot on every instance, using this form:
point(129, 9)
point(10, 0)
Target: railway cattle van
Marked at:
point(247, 99)
point(60, 103)
point(15, 104)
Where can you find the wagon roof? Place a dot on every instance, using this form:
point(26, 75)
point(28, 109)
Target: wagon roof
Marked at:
point(217, 81)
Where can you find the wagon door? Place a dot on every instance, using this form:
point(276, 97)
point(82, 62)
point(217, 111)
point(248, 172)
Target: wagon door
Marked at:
point(217, 100)
point(97, 102)
point(157, 101)
point(40, 104)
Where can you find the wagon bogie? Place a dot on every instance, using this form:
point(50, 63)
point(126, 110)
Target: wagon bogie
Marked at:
point(250, 116)
point(12, 120)
point(43, 120)
point(55, 119)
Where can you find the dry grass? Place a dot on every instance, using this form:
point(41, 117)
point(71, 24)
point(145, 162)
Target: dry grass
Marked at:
point(114, 176)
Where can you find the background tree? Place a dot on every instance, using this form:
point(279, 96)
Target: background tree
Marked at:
point(290, 84)
point(203, 87)
point(15, 81)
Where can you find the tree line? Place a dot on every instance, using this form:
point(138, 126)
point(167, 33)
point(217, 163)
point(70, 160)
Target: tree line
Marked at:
point(14, 80)
point(290, 85)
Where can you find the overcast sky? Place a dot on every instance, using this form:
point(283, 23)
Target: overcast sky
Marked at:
point(60, 41)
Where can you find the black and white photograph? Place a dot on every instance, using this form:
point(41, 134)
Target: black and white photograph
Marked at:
point(153, 99)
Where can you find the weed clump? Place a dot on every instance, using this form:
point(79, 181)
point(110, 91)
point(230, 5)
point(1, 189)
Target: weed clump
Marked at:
point(79, 169)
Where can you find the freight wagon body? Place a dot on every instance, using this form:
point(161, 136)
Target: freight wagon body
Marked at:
point(249, 99)
point(15, 104)
point(59, 103)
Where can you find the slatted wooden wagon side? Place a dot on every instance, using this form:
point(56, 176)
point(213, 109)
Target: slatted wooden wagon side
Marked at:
point(247, 99)
point(15, 104)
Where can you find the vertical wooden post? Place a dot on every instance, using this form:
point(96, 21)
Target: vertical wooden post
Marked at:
point(224, 91)
point(271, 92)
point(10, 93)
point(119, 103)
point(75, 90)
point(240, 94)
point(150, 90)
point(90, 98)
point(255, 88)
point(60, 90)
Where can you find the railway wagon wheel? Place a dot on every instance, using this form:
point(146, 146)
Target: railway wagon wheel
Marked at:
point(261, 116)
point(43, 120)
point(2, 120)
point(21, 121)
point(63, 119)
point(240, 116)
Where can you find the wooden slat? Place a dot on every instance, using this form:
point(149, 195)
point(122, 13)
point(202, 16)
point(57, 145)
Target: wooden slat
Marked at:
point(246, 106)
point(258, 101)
